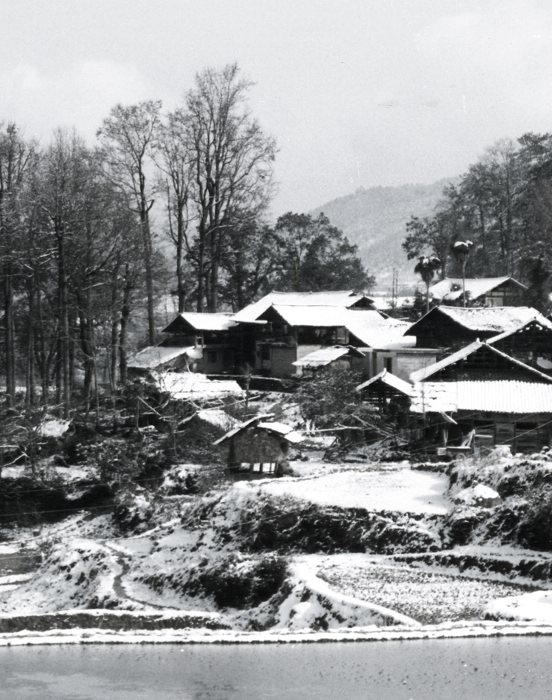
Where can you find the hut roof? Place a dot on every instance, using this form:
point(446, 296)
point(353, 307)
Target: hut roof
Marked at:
point(527, 326)
point(343, 299)
point(494, 396)
point(158, 355)
point(421, 375)
point(450, 289)
point(494, 319)
point(263, 422)
point(325, 356)
point(390, 380)
point(200, 322)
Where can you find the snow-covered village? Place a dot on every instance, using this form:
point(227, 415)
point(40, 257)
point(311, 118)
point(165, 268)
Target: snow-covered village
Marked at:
point(275, 421)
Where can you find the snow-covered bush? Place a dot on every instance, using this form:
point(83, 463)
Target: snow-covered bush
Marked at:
point(133, 508)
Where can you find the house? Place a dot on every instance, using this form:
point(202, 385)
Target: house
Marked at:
point(530, 342)
point(484, 291)
point(257, 444)
point(479, 390)
point(212, 336)
point(453, 327)
point(251, 327)
point(292, 332)
point(478, 361)
point(344, 299)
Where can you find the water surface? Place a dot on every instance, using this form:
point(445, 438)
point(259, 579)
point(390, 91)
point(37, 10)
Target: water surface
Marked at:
point(461, 668)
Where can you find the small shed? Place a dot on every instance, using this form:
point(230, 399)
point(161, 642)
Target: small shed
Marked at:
point(258, 445)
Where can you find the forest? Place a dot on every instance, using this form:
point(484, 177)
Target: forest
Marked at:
point(501, 205)
point(93, 236)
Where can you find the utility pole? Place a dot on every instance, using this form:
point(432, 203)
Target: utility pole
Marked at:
point(395, 288)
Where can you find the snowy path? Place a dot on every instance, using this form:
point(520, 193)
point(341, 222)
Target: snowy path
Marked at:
point(119, 587)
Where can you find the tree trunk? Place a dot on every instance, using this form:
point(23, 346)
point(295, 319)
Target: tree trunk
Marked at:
point(125, 313)
point(9, 333)
point(30, 396)
point(148, 260)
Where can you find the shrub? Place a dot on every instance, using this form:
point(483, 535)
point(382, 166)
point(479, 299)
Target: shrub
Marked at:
point(535, 529)
point(238, 583)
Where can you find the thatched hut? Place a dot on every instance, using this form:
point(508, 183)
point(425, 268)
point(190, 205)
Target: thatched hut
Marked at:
point(259, 444)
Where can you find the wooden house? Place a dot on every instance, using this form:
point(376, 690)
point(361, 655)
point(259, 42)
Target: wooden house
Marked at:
point(212, 336)
point(531, 342)
point(259, 445)
point(252, 329)
point(293, 332)
point(484, 291)
point(454, 327)
point(478, 390)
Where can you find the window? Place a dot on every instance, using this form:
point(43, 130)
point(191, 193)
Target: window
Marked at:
point(388, 364)
point(265, 352)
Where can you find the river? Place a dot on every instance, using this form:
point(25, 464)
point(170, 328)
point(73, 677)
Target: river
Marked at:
point(460, 668)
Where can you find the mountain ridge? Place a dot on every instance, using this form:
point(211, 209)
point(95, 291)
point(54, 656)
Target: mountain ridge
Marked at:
point(375, 218)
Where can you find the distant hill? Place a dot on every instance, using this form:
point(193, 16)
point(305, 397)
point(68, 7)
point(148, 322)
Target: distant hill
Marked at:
point(375, 219)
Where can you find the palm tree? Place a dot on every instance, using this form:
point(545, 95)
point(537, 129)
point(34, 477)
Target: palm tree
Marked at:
point(426, 267)
point(461, 250)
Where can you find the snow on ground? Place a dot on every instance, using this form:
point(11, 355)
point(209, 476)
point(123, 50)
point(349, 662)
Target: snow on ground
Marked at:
point(528, 606)
point(313, 604)
point(81, 575)
point(401, 490)
point(47, 469)
point(54, 427)
point(428, 597)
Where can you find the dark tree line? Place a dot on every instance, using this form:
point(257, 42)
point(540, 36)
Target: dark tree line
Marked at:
point(91, 234)
point(503, 204)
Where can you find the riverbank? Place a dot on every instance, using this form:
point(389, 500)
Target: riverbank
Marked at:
point(338, 552)
point(480, 629)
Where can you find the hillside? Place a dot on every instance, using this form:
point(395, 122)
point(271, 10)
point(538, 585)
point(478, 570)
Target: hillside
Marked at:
point(375, 220)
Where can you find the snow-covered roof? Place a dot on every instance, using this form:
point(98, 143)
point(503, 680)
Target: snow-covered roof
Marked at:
point(370, 327)
point(158, 355)
point(282, 429)
point(389, 380)
point(421, 375)
point(375, 331)
point(206, 321)
point(530, 324)
point(217, 418)
point(494, 396)
point(495, 319)
point(450, 289)
point(312, 316)
point(344, 299)
point(192, 385)
point(325, 356)
point(263, 421)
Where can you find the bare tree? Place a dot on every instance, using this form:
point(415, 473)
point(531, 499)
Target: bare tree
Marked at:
point(128, 138)
point(232, 168)
point(174, 161)
point(16, 156)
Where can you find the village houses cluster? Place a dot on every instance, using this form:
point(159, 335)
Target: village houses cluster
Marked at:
point(464, 376)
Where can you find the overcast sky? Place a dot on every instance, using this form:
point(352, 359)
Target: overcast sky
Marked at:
point(357, 92)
